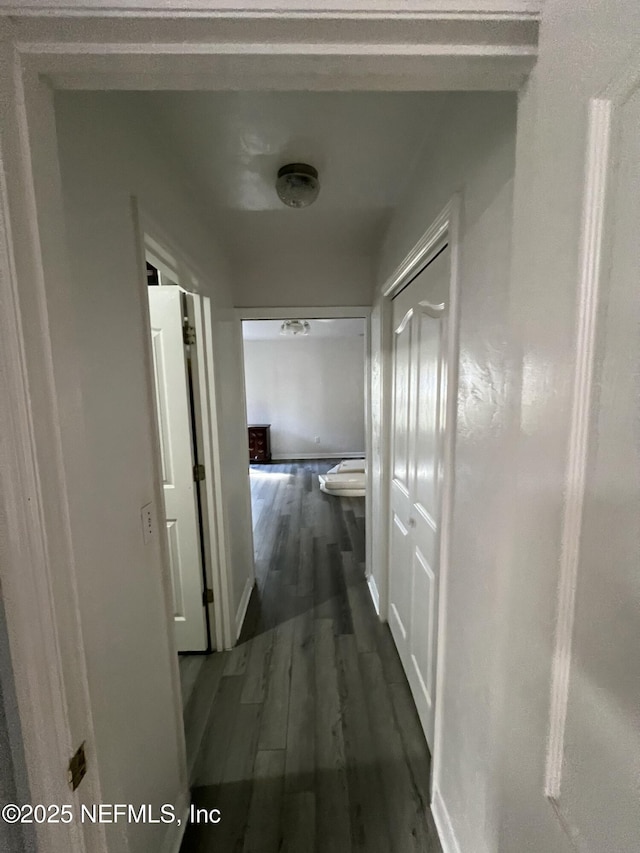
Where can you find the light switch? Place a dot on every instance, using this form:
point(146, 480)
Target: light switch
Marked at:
point(148, 528)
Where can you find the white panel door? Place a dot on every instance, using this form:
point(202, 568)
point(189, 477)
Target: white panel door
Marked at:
point(176, 446)
point(419, 407)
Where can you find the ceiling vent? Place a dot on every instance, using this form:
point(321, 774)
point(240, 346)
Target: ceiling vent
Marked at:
point(297, 185)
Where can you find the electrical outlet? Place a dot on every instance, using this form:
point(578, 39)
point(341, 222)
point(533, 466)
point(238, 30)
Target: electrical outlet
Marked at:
point(148, 529)
point(317, 439)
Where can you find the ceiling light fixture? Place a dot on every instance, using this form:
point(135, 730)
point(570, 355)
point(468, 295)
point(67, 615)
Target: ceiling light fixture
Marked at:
point(297, 185)
point(295, 327)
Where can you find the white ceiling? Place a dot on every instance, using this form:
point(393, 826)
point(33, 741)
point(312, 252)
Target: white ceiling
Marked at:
point(234, 142)
point(269, 330)
point(230, 146)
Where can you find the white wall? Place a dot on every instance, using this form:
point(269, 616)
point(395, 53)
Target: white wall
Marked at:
point(584, 49)
point(472, 153)
point(330, 277)
point(306, 387)
point(130, 653)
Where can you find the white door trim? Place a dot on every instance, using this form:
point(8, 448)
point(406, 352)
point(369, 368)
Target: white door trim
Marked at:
point(444, 229)
point(37, 564)
point(486, 44)
point(426, 9)
point(217, 571)
point(601, 154)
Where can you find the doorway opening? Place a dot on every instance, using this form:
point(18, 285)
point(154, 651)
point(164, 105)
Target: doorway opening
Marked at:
point(305, 387)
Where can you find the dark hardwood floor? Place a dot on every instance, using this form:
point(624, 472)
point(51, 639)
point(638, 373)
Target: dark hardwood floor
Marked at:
point(313, 744)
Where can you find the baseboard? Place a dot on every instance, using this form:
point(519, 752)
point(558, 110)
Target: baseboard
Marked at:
point(244, 603)
point(173, 841)
point(338, 454)
point(373, 590)
point(448, 839)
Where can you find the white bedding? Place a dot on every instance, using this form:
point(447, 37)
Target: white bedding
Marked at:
point(349, 466)
point(347, 479)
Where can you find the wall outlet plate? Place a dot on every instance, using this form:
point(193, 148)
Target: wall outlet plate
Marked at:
point(148, 526)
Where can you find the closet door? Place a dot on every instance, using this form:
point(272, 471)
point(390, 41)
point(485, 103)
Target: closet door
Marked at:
point(419, 407)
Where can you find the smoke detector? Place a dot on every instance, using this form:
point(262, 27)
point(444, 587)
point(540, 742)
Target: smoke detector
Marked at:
point(297, 185)
point(295, 327)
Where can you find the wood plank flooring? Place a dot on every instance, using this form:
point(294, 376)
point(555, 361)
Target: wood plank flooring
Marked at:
point(313, 744)
point(190, 666)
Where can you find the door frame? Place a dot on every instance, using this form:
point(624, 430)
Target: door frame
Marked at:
point(445, 227)
point(69, 45)
point(152, 242)
point(334, 312)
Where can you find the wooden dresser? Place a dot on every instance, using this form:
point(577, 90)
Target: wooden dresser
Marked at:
point(259, 442)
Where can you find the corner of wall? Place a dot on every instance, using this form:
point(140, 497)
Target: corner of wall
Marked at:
point(242, 607)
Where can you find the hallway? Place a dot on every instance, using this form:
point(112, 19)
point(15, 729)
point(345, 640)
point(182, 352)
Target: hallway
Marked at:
point(313, 741)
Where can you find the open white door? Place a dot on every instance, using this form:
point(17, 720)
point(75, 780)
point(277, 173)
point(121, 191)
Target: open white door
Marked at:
point(176, 445)
point(419, 406)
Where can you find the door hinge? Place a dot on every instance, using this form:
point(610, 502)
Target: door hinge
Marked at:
point(199, 473)
point(188, 333)
point(207, 596)
point(77, 767)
